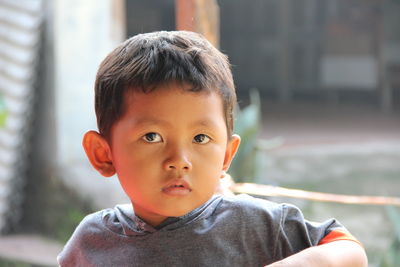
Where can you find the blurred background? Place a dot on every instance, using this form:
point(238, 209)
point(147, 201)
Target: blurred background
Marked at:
point(318, 83)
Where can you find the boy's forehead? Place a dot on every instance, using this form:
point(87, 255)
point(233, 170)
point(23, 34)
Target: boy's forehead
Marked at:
point(171, 94)
point(174, 88)
point(172, 105)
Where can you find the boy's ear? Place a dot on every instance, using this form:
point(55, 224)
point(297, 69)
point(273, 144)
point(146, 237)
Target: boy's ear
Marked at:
point(99, 153)
point(231, 149)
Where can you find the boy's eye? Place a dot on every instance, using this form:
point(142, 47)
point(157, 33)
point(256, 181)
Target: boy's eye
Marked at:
point(201, 139)
point(152, 138)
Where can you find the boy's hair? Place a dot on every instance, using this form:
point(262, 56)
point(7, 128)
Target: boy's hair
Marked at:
point(148, 60)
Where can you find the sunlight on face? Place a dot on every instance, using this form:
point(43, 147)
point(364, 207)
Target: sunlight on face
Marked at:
point(169, 150)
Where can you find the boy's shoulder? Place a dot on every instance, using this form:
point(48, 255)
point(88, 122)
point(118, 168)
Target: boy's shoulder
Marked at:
point(95, 232)
point(95, 224)
point(247, 204)
point(248, 211)
point(109, 221)
point(279, 214)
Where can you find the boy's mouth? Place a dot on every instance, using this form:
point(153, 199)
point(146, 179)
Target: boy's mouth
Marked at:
point(177, 187)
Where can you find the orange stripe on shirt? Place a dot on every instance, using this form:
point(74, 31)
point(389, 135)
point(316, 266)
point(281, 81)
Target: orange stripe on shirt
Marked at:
point(336, 235)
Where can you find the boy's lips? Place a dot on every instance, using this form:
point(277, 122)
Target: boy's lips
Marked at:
point(177, 187)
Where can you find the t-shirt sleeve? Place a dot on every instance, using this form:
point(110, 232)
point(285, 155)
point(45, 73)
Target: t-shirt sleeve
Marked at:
point(338, 234)
point(297, 234)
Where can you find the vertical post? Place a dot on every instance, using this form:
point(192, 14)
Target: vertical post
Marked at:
point(184, 15)
point(200, 16)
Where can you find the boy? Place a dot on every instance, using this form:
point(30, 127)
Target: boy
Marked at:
point(164, 104)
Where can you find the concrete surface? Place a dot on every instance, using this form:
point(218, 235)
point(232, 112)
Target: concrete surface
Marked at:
point(31, 249)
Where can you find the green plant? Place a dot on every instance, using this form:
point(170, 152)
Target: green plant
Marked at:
point(15, 263)
point(3, 112)
point(392, 256)
point(248, 125)
point(249, 162)
point(53, 210)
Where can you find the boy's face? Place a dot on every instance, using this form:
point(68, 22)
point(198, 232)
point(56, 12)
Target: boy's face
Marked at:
point(170, 149)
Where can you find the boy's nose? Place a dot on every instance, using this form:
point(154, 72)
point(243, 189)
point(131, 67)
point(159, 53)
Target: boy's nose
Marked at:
point(178, 161)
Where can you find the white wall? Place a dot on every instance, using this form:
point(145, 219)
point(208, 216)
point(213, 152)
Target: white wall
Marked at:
point(84, 32)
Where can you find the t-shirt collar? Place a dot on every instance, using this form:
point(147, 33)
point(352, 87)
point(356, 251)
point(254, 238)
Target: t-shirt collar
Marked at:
point(133, 225)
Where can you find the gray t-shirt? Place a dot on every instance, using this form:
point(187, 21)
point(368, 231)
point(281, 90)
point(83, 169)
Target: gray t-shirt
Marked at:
point(225, 231)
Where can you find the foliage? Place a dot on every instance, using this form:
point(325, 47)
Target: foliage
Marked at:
point(249, 162)
point(13, 263)
point(53, 209)
point(64, 212)
point(247, 125)
point(392, 256)
point(3, 111)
